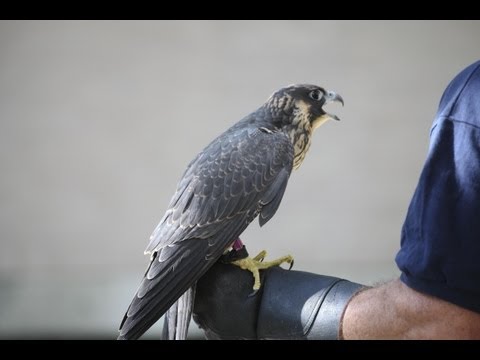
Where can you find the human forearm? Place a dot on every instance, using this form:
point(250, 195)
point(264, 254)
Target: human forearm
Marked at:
point(395, 311)
point(298, 305)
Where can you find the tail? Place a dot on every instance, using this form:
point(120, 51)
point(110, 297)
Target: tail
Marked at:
point(177, 318)
point(171, 273)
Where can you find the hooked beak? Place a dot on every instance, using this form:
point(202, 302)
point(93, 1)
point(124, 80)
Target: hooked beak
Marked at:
point(332, 96)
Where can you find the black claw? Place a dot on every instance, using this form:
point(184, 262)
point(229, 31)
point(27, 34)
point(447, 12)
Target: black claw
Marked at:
point(291, 264)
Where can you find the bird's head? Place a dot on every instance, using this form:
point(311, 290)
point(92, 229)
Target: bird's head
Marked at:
point(298, 110)
point(302, 105)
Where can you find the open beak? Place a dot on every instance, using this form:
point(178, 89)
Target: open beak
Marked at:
point(332, 96)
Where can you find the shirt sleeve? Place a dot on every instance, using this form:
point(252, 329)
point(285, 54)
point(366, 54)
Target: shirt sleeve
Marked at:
point(440, 240)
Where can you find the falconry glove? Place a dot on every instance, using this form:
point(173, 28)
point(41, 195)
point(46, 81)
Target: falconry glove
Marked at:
point(289, 305)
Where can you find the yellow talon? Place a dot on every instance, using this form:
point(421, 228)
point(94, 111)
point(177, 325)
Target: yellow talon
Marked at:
point(261, 255)
point(255, 264)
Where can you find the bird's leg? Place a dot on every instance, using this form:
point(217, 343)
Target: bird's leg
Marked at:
point(238, 256)
point(238, 252)
point(255, 264)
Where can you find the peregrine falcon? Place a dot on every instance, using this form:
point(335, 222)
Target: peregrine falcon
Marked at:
point(240, 175)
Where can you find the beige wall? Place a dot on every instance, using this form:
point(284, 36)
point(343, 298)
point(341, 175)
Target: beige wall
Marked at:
point(99, 119)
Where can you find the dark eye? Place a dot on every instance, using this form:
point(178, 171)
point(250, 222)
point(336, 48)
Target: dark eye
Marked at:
point(315, 95)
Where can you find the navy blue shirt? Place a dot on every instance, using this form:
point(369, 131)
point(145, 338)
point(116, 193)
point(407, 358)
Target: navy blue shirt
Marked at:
point(440, 243)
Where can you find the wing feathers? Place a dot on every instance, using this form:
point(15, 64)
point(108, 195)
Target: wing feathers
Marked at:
point(273, 197)
point(148, 304)
point(239, 175)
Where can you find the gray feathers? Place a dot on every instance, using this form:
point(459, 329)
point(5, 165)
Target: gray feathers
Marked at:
point(177, 318)
point(230, 177)
point(239, 175)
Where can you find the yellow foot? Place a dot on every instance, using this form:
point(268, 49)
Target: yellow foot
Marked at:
point(255, 264)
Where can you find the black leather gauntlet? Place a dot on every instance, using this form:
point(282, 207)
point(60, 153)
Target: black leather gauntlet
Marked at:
point(289, 305)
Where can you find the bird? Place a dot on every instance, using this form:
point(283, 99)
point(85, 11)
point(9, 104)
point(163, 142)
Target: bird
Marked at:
point(241, 175)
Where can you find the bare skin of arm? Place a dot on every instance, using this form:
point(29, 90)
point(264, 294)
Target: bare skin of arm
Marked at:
point(395, 311)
